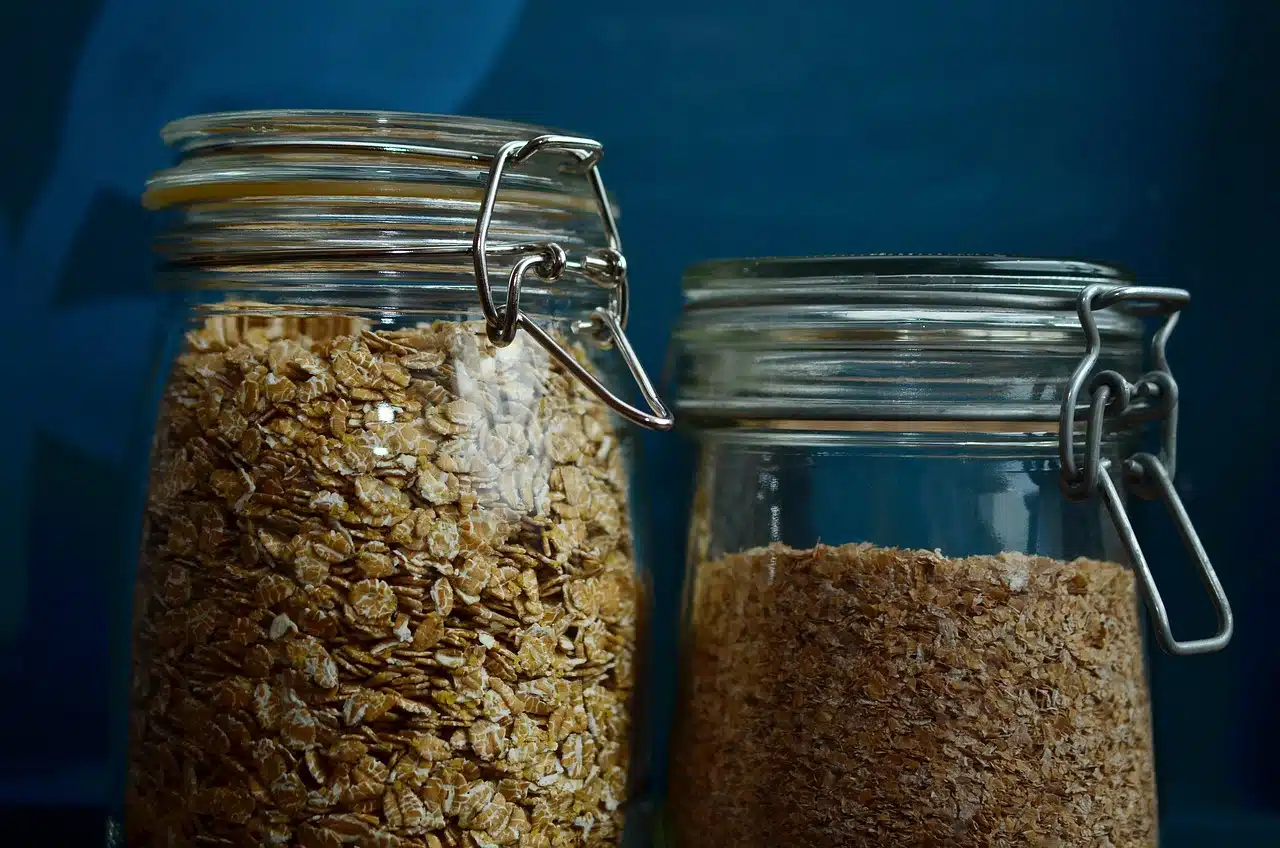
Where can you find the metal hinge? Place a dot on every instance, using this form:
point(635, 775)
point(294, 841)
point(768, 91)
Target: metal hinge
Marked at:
point(1153, 396)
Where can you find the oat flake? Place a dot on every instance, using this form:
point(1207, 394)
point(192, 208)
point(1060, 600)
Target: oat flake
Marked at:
point(365, 597)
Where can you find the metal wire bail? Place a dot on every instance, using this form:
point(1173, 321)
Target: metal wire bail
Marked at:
point(1154, 395)
point(606, 267)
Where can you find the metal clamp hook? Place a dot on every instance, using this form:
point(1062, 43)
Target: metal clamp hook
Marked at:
point(607, 267)
point(1151, 468)
point(1155, 394)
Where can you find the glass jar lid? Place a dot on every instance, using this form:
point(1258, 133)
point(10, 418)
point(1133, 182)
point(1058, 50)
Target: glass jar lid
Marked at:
point(889, 338)
point(328, 185)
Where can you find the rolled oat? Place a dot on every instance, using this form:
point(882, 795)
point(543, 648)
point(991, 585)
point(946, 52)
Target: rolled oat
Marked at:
point(386, 595)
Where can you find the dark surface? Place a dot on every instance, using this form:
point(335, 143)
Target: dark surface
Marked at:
point(1142, 133)
point(56, 827)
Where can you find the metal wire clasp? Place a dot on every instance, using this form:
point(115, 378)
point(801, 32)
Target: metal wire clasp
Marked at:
point(1153, 396)
point(606, 267)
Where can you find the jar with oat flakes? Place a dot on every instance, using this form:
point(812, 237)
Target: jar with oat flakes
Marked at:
point(912, 612)
point(387, 593)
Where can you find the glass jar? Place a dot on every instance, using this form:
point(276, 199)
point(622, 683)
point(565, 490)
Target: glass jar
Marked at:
point(907, 620)
point(387, 593)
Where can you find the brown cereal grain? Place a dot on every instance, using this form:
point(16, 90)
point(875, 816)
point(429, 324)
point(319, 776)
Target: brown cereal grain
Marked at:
point(859, 696)
point(352, 624)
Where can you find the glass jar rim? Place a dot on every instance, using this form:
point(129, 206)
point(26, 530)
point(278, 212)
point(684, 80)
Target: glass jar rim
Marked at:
point(1013, 283)
point(982, 338)
point(317, 152)
point(187, 132)
point(382, 188)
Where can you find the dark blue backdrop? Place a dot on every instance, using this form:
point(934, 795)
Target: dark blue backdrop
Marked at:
point(1143, 132)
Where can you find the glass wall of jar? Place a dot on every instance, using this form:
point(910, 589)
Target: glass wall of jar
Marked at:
point(907, 622)
point(387, 591)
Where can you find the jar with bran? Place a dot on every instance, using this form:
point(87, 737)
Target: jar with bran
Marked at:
point(912, 612)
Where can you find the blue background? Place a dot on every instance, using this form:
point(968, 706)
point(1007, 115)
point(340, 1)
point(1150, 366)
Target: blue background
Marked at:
point(1145, 133)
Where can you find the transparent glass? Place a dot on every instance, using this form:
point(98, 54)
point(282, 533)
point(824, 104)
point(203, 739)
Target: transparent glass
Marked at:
point(968, 494)
point(387, 592)
point(892, 640)
point(897, 630)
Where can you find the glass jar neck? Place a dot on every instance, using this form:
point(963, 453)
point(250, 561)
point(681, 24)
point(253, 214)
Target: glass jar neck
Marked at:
point(338, 202)
point(877, 345)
